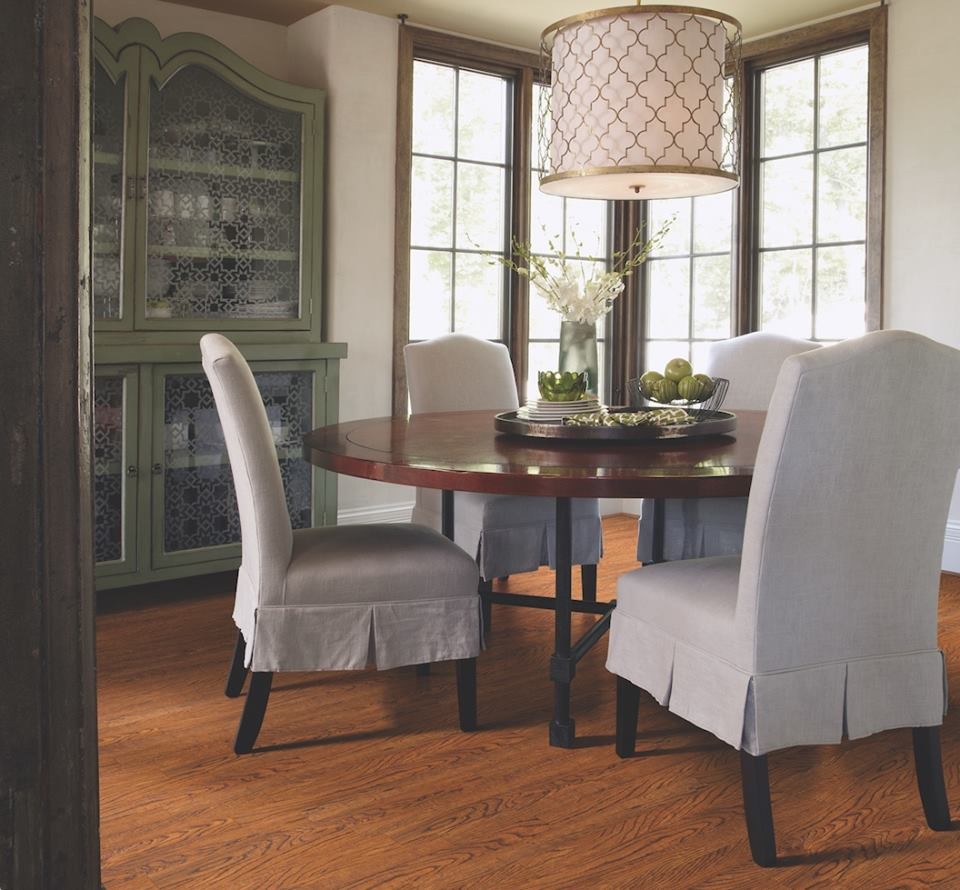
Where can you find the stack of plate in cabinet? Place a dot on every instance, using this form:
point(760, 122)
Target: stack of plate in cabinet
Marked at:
point(540, 409)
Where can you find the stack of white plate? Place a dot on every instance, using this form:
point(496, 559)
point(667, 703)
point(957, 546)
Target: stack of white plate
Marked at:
point(541, 409)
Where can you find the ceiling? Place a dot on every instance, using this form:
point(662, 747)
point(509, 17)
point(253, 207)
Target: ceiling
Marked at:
point(519, 22)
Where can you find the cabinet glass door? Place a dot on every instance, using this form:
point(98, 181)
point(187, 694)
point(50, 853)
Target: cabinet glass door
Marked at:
point(115, 470)
point(109, 102)
point(223, 206)
point(195, 506)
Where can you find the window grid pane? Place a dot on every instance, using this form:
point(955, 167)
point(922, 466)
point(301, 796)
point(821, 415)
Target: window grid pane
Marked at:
point(460, 182)
point(688, 283)
point(812, 277)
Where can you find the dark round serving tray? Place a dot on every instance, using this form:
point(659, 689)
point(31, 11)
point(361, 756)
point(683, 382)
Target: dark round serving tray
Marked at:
point(714, 423)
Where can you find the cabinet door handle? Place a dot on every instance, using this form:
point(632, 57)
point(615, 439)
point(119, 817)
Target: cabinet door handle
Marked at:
point(137, 187)
point(132, 470)
point(157, 469)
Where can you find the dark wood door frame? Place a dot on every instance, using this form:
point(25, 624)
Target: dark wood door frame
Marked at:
point(49, 818)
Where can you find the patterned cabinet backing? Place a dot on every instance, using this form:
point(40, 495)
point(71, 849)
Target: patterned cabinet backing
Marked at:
point(199, 508)
point(223, 209)
point(108, 176)
point(115, 469)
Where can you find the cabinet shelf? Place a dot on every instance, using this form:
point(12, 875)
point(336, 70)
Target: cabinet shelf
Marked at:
point(107, 158)
point(206, 168)
point(185, 461)
point(199, 253)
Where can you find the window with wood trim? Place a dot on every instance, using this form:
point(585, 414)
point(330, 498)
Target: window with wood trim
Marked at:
point(460, 185)
point(797, 248)
point(811, 173)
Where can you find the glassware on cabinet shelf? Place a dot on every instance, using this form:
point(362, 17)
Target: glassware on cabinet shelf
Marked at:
point(224, 204)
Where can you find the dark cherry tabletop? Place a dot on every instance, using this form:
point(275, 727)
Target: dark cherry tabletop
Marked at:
point(462, 451)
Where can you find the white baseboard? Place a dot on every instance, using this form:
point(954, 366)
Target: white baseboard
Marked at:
point(951, 547)
point(401, 512)
point(383, 513)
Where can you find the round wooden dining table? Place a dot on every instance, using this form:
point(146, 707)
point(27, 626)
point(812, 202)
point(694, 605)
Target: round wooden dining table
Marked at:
point(461, 451)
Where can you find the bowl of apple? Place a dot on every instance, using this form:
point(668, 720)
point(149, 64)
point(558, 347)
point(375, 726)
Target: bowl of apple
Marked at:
point(678, 385)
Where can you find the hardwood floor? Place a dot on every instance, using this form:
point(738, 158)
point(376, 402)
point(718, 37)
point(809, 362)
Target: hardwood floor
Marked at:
point(363, 780)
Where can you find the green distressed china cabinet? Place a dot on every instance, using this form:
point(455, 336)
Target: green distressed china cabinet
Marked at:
point(207, 211)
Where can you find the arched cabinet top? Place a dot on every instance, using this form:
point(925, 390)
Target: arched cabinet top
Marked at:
point(164, 56)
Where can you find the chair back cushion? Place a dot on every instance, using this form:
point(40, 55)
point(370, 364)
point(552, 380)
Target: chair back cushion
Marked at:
point(850, 495)
point(267, 538)
point(751, 364)
point(457, 372)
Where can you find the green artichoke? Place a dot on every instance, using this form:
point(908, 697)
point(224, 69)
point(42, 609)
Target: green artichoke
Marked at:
point(562, 386)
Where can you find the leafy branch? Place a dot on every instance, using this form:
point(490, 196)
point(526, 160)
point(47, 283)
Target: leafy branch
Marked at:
point(562, 276)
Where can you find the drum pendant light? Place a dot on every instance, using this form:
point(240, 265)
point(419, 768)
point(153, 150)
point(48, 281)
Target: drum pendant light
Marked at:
point(644, 102)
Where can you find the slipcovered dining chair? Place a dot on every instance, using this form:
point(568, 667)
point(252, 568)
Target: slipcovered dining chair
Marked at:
point(508, 534)
point(827, 625)
point(697, 527)
point(330, 598)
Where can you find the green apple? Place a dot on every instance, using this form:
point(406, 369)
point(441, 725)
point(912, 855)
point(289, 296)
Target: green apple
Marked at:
point(691, 389)
point(664, 390)
point(708, 385)
point(677, 369)
point(648, 380)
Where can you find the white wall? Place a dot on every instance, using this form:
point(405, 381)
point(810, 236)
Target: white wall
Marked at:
point(353, 56)
point(922, 285)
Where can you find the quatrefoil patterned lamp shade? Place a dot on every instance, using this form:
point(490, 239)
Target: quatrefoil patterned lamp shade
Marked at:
point(644, 103)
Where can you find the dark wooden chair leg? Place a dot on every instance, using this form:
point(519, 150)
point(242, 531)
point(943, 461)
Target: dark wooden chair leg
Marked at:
point(756, 808)
point(588, 583)
point(486, 607)
point(423, 670)
point(467, 693)
point(238, 673)
point(253, 711)
point(628, 704)
point(933, 792)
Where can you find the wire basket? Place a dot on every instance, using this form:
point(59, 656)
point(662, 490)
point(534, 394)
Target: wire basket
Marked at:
point(698, 409)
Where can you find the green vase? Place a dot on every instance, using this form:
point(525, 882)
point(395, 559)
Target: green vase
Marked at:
point(578, 351)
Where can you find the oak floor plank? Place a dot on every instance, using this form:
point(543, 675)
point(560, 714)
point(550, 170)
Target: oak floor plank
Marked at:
point(362, 779)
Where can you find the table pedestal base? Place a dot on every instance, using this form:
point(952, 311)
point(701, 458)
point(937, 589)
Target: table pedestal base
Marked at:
point(563, 662)
point(563, 735)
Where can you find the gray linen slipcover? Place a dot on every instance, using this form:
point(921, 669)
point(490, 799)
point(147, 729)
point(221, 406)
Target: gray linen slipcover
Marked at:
point(697, 527)
point(331, 598)
point(508, 534)
point(827, 624)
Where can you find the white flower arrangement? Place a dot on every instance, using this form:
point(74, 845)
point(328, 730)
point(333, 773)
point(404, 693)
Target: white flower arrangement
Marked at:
point(562, 277)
